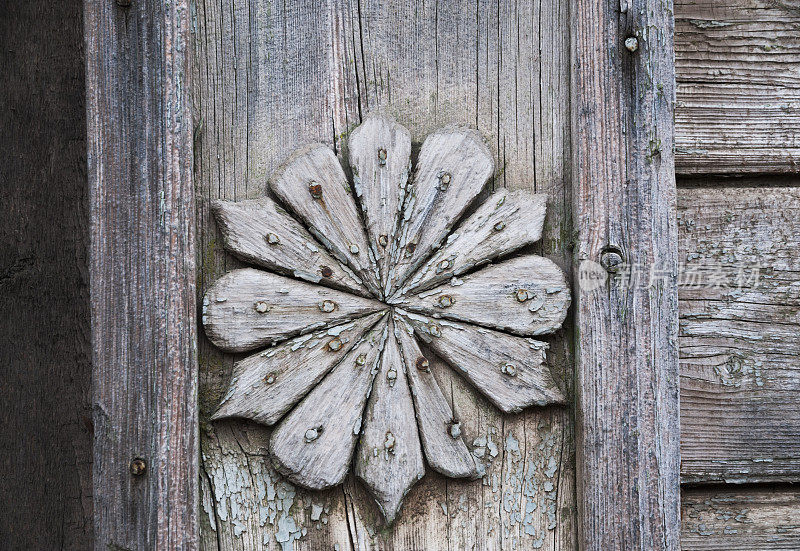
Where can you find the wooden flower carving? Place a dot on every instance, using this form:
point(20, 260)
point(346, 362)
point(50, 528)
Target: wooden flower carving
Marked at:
point(351, 275)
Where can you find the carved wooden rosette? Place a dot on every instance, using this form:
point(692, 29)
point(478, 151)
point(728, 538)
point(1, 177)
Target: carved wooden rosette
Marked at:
point(357, 276)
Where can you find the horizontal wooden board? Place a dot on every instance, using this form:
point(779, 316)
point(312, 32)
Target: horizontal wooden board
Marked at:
point(738, 86)
point(761, 518)
point(740, 332)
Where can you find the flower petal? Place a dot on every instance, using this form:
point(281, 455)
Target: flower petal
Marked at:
point(266, 385)
point(261, 232)
point(527, 296)
point(313, 445)
point(510, 371)
point(440, 432)
point(507, 221)
point(313, 184)
point(389, 457)
point(248, 308)
point(454, 165)
point(379, 157)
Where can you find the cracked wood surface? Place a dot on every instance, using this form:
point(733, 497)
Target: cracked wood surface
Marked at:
point(262, 88)
point(738, 86)
point(740, 330)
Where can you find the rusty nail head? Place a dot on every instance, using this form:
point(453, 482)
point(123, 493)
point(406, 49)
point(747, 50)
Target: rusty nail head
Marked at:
point(435, 330)
point(124, 3)
point(327, 306)
point(410, 248)
point(261, 307)
point(335, 344)
point(270, 378)
point(361, 360)
point(444, 180)
point(383, 241)
point(272, 239)
point(445, 301)
point(455, 429)
point(354, 249)
point(382, 156)
point(315, 190)
point(611, 260)
point(312, 434)
point(326, 271)
point(422, 363)
point(500, 226)
point(632, 43)
point(138, 467)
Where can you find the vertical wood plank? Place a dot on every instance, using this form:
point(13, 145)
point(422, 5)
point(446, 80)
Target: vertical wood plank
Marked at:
point(626, 332)
point(142, 274)
point(45, 416)
point(272, 76)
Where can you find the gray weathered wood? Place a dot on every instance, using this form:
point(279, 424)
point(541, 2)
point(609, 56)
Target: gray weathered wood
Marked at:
point(738, 87)
point(505, 222)
point(527, 296)
point(740, 331)
point(267, 384)
point(142, 274)
point(312, 183)
point(380, 152)
point(249, 308)
point(453, 167)
point(439, 429)
point(45, 350)
point(389, 456)
point(259, 231)
point(314, 444)
point(510, 371)
point(271, 77)
point(626, 334)
point(765, 518)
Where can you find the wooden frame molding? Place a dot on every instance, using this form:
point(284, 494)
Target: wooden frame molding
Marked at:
point(142, 273)
point(626, 333)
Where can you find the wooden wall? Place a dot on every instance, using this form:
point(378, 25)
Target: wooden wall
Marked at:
point(737, 121)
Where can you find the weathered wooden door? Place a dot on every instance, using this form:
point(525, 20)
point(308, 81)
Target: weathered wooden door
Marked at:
point(190, 103)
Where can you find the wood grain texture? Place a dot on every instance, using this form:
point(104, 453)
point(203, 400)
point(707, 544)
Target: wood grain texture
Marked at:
point(380, 159)
point(439, 427)
point(313, 185)
point(248, 308)
point(504, 223)
point(766, 518)
point(453, 167)
point(314, 444)
point(260, 232)
point(738, 86)
point(45, 349)
point(526, 296)
point(267, 384)
point(739, 346)
point(626, 348)
point(144, 324)
point(271, 77)
point(389, 456)
point(510, 371)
